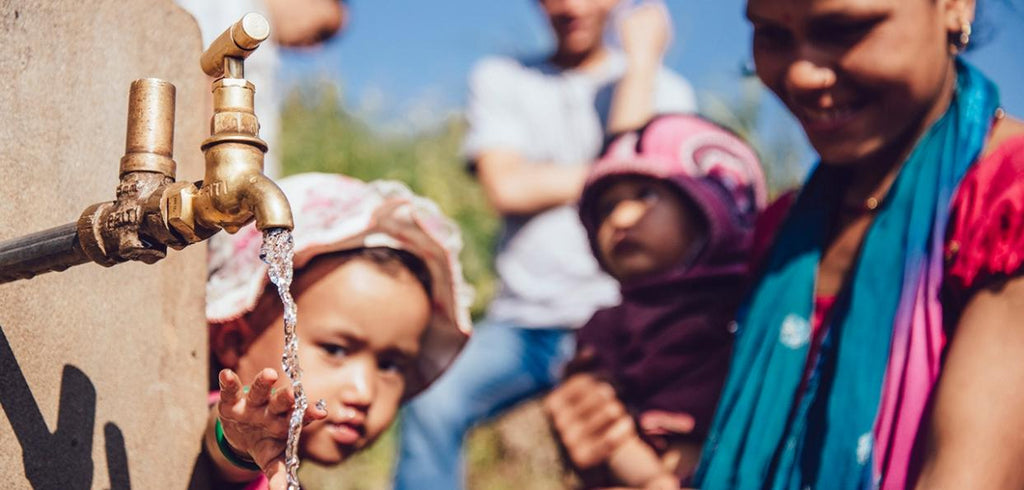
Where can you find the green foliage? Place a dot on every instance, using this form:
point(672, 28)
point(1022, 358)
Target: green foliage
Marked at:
point(319, 136)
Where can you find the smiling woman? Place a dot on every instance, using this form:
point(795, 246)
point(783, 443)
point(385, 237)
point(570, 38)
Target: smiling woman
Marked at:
point(882, 321)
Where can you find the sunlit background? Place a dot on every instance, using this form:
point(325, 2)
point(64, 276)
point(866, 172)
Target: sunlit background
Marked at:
point(384, 100)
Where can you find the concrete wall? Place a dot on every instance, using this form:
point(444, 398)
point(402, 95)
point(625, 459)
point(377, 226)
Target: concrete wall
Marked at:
point(102, 371)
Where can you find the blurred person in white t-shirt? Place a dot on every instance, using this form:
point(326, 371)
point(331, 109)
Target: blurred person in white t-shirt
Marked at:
point(535, 126)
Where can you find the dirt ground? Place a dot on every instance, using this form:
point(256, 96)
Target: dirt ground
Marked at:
point(513, 452)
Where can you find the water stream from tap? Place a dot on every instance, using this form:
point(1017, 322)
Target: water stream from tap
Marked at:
point(278, 252)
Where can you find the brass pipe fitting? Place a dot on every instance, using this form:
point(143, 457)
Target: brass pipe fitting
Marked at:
point(130, 228)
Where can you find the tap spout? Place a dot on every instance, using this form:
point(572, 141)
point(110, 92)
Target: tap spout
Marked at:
point(233, 193)
point(234, 190)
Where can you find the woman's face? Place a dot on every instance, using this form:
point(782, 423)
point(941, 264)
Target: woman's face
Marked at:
point(359, 329)
point(861, 76)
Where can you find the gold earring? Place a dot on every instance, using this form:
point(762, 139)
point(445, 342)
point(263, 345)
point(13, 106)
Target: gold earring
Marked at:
point(963, 39)
point(965, 34)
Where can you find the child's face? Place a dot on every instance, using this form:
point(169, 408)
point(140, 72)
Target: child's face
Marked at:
point(645, 227)
point(359, 332)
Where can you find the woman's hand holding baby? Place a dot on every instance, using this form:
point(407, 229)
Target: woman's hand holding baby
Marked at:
point(590, 420)
point(597, 431)
point(255, 425)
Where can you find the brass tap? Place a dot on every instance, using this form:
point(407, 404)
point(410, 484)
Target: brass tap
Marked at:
point(152, 211)
point(234, 190)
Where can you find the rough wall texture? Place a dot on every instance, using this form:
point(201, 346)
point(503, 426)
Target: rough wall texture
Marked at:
point(102, 371)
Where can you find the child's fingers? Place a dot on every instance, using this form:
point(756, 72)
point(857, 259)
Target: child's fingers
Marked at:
point(565, 395)
point(259, 392)
point(580, 401)
point(579, 386)
point(600, 397)
point(230, 386)
point(598, 422)
point(621, 431)
point(313, 413)
point(281, 401)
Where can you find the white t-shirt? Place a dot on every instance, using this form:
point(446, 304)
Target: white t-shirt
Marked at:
point(215, 16)
point(548, 275)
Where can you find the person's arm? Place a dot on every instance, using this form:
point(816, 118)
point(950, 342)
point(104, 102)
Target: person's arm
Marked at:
point(645, 34)
point(976, 437)
point(515, 186)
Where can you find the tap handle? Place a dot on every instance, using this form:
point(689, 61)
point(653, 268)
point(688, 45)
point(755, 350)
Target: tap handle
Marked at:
point(234, 45)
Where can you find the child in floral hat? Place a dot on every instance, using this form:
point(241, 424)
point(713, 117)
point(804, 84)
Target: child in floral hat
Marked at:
point(382, 311)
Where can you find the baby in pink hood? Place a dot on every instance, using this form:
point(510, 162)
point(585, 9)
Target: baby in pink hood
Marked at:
point(670, 210)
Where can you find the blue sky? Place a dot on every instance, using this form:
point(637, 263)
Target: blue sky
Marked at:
point(403, 63)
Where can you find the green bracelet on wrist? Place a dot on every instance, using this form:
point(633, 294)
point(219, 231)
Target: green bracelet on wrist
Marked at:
point(230, 454)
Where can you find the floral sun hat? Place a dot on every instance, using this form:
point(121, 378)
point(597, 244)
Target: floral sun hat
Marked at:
point(336, 213)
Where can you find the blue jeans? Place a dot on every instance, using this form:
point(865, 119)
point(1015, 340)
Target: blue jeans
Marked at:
point(500, 366)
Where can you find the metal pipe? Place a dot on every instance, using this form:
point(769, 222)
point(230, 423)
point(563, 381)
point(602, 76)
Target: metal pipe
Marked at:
point(51, 250)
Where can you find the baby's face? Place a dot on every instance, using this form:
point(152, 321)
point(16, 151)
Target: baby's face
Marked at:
point(645, 227)
point(360, 330)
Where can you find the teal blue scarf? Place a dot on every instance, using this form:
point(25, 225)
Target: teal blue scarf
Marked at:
point(760, 437)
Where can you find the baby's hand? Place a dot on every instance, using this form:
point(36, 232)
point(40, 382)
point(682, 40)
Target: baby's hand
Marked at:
point(255, 421)
point(645, 32)
point(589, 419)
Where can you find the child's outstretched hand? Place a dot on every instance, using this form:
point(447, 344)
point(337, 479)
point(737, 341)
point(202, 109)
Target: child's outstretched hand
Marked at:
point(255, 423)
